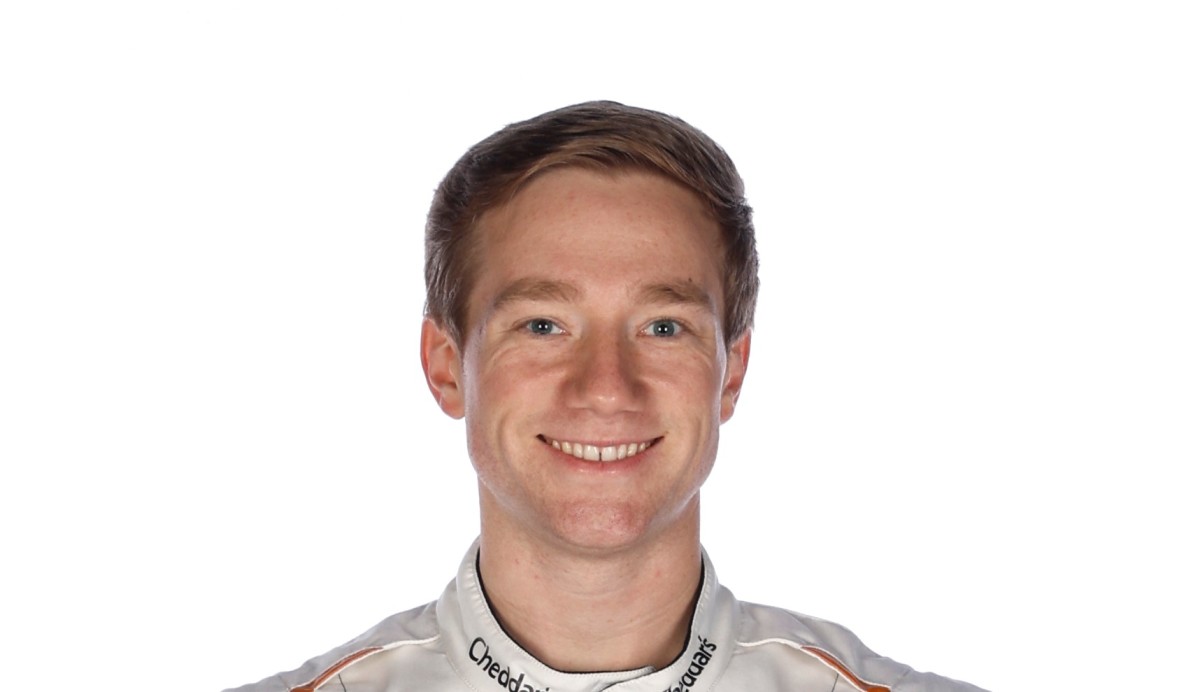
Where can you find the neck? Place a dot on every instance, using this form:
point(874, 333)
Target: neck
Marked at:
point(586, 611)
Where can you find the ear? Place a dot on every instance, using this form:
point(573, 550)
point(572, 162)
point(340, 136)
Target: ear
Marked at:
point(443, 367)
point(737, 357)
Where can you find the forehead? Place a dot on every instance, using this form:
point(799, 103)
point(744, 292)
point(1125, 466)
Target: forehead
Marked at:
point(565, 205)
point(598, 228)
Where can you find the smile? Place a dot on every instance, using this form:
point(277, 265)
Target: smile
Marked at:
point(597, 453)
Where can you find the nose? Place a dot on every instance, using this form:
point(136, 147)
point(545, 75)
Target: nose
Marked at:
point(604, 376)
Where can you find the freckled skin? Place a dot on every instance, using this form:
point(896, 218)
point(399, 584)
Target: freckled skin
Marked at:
point(605, 377)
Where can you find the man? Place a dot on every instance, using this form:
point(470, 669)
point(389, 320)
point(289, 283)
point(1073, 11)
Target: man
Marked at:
point(591, 278)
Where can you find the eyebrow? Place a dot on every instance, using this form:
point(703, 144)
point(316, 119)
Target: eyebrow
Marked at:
point(668, 293)
point(536, 290)
point(676, 293)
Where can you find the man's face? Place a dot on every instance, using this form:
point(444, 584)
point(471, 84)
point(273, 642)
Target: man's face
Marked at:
point(594, 375)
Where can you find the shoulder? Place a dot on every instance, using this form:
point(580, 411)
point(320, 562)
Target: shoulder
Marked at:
point(767, 632)
point(416, 627)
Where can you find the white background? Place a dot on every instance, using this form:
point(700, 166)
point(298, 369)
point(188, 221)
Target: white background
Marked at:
point(971, 421)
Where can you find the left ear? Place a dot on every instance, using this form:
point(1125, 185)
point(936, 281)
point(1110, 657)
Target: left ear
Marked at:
point(737, 357)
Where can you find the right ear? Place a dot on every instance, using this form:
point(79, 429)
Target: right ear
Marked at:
point(443, 367)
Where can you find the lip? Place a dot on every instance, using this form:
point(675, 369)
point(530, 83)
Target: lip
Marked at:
point(600, 452)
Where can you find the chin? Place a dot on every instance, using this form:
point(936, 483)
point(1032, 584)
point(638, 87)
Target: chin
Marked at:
point(601, 527)
point(606, 527)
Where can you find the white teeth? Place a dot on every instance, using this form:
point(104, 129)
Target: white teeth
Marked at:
point(597, 453)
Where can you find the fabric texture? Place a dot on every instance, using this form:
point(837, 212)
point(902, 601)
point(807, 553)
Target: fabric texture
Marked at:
point(456, 643)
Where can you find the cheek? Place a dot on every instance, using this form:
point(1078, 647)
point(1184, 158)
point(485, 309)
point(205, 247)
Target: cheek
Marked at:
point(694, 382)
point(499, 392)
point(500, 385)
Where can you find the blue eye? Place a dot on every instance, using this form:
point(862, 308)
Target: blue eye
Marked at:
point(664, 328)
point(542, 327)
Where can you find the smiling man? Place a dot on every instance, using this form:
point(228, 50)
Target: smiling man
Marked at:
point(591, 279)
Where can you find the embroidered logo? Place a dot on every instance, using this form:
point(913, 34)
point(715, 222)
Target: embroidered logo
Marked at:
point(503, 675)
point(700, 659)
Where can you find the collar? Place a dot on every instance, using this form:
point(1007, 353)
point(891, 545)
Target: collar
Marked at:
point(491, 661)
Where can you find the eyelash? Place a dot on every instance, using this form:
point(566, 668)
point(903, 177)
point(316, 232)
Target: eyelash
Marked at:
point(538, 325)
point(675, 323)
point(542, 321)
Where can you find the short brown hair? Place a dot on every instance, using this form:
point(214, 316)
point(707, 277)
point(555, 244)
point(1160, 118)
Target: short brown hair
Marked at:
point(598, 134)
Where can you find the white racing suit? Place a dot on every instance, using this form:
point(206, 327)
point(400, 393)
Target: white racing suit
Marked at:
point(455, 643)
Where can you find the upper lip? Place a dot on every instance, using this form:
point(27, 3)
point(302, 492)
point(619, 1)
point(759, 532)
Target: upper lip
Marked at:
point(599, 443)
